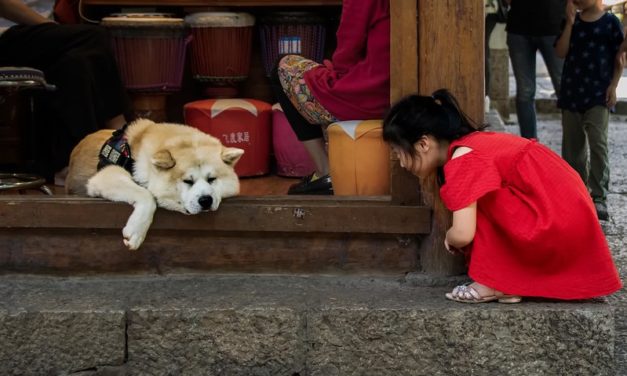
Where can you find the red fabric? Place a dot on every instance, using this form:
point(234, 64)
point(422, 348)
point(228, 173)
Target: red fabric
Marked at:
point(356, 84)
point(537, 230)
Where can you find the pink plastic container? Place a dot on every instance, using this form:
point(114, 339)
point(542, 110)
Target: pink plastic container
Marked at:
point(291, 156)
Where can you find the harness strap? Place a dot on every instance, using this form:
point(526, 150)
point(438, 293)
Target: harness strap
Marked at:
point(116, 151)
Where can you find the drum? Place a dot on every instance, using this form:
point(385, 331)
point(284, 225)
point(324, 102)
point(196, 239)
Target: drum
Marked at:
point(18, 146)
point(291, 33)
point(220, 50)
point(150, 51)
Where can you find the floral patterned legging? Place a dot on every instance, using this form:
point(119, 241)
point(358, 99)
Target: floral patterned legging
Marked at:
point(291, 72)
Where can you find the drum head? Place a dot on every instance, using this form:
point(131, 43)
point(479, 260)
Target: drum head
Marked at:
point(142, 20)
point(220, 19)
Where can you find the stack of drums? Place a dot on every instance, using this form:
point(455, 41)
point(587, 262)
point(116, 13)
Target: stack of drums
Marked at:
point(291, 156)
point(359, 159)
point(239, 123)
point(291, 33)
point(150, 51)
point(220, 50)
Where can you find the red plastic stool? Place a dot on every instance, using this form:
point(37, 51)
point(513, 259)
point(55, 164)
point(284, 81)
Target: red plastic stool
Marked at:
point(240, 123)
point(291, 156)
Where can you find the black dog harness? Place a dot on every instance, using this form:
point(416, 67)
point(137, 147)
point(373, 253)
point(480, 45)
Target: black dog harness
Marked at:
point(116, 151)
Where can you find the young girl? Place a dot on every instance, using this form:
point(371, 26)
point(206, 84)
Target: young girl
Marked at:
point(522, 215)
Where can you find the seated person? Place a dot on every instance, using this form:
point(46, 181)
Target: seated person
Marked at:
point(79, 61)
point(355, 85)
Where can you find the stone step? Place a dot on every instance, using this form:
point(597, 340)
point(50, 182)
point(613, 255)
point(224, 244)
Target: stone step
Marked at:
point(288, 325)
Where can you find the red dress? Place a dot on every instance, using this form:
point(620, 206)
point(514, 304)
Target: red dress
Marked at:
point(537, 230)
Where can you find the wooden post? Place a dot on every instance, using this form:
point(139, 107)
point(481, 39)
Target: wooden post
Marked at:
point(404, 187)
point(450, 55)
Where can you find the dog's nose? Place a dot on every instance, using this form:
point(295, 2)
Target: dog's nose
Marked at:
point(205, 202)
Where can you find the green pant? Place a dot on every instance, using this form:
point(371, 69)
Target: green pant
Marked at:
point(583, 130)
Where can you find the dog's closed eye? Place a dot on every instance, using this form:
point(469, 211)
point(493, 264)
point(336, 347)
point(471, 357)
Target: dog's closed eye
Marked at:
point(188, 181)
point(210, 179)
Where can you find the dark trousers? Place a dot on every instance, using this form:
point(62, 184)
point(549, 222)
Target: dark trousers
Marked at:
point(79, 61)
point(303, 129)
point(490, 24)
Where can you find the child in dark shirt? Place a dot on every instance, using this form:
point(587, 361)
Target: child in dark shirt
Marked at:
point(589, 43)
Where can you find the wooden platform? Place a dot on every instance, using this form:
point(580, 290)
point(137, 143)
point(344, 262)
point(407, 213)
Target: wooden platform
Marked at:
point(260, 231)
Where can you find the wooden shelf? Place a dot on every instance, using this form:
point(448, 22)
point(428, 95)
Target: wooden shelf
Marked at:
point(214, 3)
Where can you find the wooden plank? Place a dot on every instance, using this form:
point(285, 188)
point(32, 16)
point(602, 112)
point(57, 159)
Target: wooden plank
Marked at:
point(83, 251)
point(213, 3)
point(336, 215)
point(404, 187)
point(451, 55)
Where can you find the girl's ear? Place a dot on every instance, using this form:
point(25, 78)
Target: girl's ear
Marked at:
point(423, 144)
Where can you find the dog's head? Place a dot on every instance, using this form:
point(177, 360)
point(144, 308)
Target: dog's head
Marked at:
point(190, 175)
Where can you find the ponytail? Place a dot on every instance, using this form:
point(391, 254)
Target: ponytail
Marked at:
point(438, 115)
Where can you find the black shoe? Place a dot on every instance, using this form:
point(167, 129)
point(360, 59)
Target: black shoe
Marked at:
point(320, 186)
point(602, 213)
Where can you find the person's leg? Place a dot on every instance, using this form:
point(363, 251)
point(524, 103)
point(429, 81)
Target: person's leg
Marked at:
point(289, 81)
point(310, 134)
point(116, 122)
point(574, 143)
point(78, 60)
point(553, 63)
point(490, 23)
point(595, 122)
point(522, 52)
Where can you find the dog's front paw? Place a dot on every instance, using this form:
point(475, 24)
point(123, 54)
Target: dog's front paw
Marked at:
point(133, 236)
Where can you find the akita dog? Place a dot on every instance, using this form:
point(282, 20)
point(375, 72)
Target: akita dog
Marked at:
point(150, 165)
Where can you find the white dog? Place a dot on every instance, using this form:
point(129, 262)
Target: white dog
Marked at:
point(145, 164)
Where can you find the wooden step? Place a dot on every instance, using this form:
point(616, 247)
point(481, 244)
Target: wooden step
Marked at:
point(74, 235)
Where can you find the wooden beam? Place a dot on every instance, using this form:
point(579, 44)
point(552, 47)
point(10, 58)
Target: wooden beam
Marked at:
point(85, 251)
point(403, 49)
point(278, 214)
point(404, 187)
point(450, 55)
point(213, 3)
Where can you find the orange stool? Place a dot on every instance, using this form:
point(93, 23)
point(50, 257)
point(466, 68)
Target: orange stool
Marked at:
point(359, 159)
point(239, 123)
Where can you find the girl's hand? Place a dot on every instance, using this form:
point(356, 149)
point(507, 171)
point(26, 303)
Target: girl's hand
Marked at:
point(452, 250)
point(571, 12)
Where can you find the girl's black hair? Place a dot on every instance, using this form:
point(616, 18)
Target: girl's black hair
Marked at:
point(415, 116)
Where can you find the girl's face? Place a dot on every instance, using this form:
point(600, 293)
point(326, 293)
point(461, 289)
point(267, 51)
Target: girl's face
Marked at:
point(426, 158)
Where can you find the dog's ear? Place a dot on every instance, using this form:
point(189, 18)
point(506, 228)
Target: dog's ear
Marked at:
point(163, 160)
point(230, 156)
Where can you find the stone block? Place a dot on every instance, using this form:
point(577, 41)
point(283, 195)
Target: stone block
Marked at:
point(215, 342)
point(60, 342)
point(533, 340)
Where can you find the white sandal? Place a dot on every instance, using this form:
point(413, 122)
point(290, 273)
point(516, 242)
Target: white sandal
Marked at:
point(468, 294)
